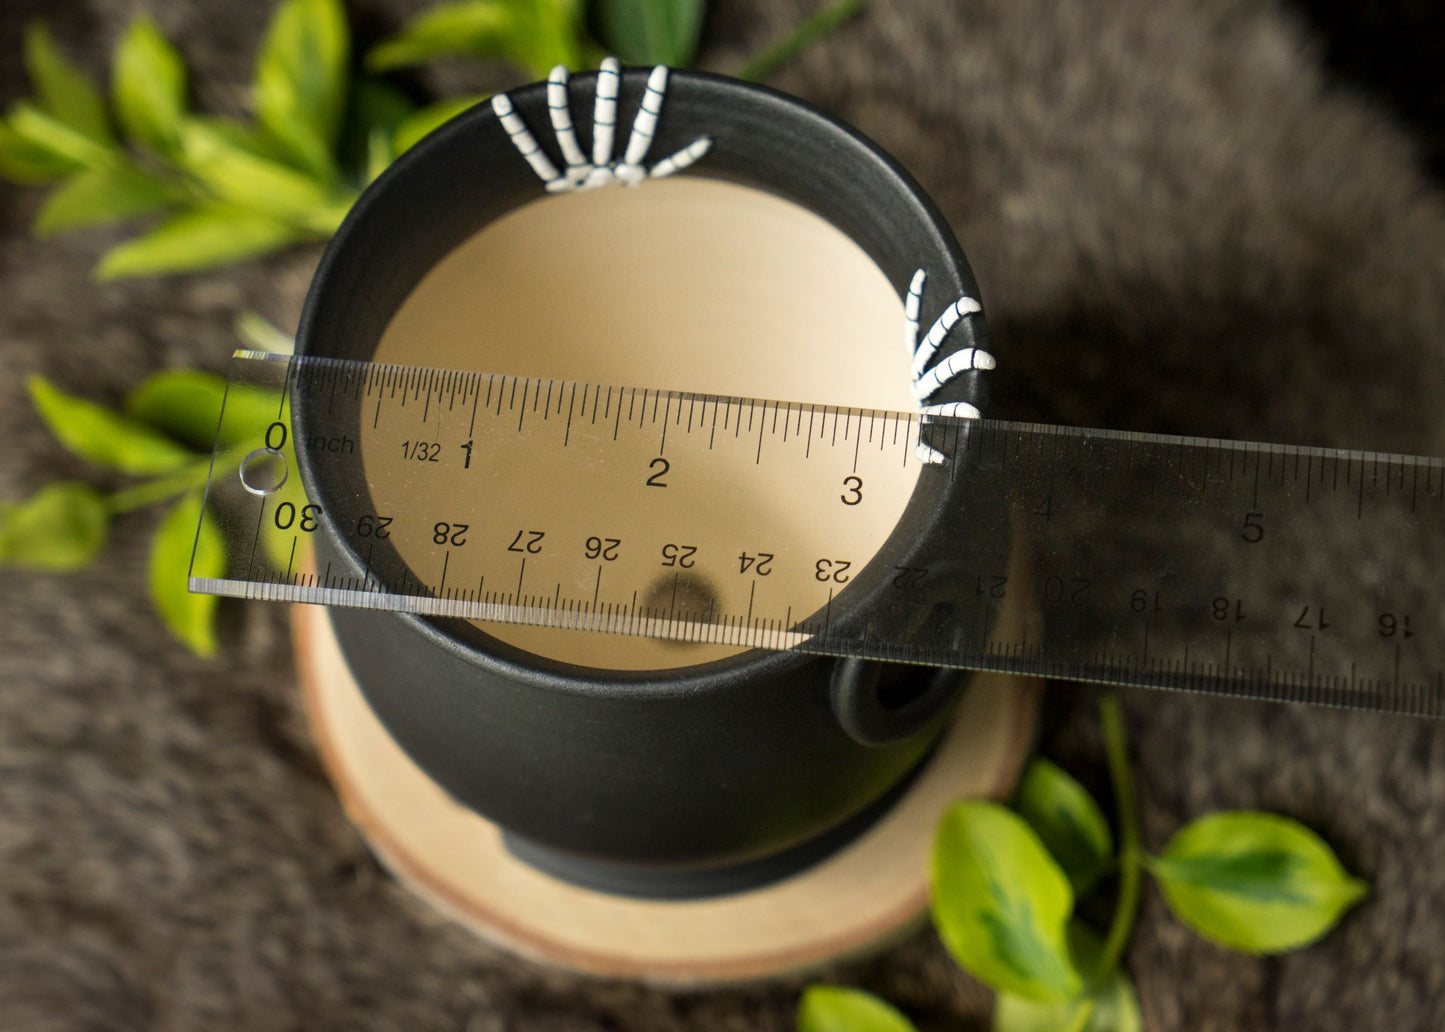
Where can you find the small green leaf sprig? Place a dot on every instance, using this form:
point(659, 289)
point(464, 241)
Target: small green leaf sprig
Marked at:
point(219, 189)
point(1005, 883)
point(222, 189)
point(160, 438)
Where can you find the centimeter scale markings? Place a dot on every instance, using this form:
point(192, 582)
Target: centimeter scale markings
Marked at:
point(1259, 570)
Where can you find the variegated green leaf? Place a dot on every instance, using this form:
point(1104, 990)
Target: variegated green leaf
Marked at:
point(1069, 822)
point(826, 1008)
point(1001, 904)
point(1256, 882)
point(1114, 1009)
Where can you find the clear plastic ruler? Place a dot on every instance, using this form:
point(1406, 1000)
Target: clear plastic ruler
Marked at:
point(1259, 570)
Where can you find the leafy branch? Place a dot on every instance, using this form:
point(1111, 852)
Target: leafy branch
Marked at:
point(160, 437)
point(1006, 881)
point(220, 189)
point(223, 189)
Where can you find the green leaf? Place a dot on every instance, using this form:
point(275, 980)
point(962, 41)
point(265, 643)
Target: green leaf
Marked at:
point(262, 335)
point(1256, 882)
point(551, 33)
point(22, 161)
point(183, 403)
point(190, 617)
point(237, 135)
point(537, 34)
point(379, 154)
point(243, 169)
point(186, 404)
point(373, 111)
point(651, 31)
point(1068, 821)
point(479, 27)
point(1001, 904)
point(1114, 1009)
point(200, 238)
point(430, 118)
point(301, 80)
point(61, 527)
point(246, 178)
point(64, 90)
point(149, 86)
point(102, 436)
point(58, 140)
point(826, 1008)
point(99, 195)
point(288, 552)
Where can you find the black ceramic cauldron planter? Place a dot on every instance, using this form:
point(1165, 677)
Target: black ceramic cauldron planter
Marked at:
point(708, 778)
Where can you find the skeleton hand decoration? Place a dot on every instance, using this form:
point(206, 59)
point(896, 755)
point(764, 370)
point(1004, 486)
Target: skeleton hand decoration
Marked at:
point(928, 381)
point(602, 170)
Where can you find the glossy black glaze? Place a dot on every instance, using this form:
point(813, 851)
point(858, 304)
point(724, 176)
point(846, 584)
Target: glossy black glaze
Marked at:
point(692, 771)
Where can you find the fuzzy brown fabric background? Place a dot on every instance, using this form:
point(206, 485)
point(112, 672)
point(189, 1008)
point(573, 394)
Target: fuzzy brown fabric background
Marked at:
point(1179, 224)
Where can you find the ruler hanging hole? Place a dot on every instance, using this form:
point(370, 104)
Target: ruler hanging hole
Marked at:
point(263, 471)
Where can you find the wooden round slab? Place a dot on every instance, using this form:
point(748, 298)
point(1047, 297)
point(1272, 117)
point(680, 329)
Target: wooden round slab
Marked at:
point(871, 893)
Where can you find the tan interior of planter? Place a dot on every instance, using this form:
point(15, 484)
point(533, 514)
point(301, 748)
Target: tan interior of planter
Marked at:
point(685, 283)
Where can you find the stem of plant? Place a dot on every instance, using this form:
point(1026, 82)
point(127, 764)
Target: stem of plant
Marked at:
point(138, 497)
point(171, 484)
point(1081, 1016)
point(1116, 752)
point(782, 50)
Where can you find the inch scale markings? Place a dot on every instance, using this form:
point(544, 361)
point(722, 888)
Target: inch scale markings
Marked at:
point(1242, 569)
